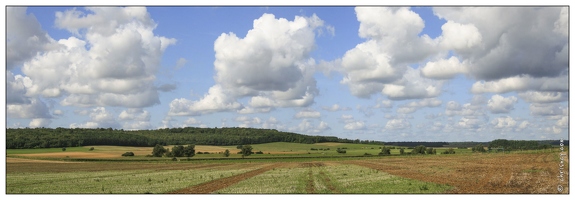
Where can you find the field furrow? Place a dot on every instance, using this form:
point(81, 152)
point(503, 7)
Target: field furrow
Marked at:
point(215, 185)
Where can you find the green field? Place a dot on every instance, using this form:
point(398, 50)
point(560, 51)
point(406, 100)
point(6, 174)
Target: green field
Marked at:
point(284, 168)
point(275, 149)
point(112, 182)
point(337, 179)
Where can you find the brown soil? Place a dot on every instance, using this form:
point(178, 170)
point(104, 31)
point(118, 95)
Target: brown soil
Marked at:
point(215, 185)
point(313, 164)
point(331, 144)
point(310, 188)
point(479, 173)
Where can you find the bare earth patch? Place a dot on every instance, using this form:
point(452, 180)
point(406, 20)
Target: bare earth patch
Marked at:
point(331, 144)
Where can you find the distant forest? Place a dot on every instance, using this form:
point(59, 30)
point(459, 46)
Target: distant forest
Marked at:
point(27, 138)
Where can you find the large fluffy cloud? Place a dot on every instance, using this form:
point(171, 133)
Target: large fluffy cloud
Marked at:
point(112, 62)
point(379, 64)
point(24, 37)
point(271, 64)
point(525, 40)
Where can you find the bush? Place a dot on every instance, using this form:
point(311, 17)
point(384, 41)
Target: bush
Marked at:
point(259, 152)
point(401, 151)
point(227, 153)
point(429, 150)
point(91, 148)
point(367, 154)
point(418, 150)
point(449, 151)
point(478, 148)
point(199, 152)
point(340, 150)
point(63, 148)
point(246, 150)
point(385, 151)
point(129, 153)
point(174, 159)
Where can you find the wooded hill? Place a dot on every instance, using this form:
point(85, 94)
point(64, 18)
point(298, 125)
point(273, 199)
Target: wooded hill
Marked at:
point(66, 137)
point(26, 138)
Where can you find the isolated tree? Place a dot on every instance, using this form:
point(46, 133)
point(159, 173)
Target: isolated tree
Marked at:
point(246, 150)
point(449, 151)
point(434, 151)
point(227, 153)
point(429, 150)
point(418, 150)
point(385, 151)
point(158, 151)
point(178, 151)
point(478, 148)
point(401, 151)
point(190, 150)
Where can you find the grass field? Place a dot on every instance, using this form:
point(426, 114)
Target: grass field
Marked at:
point(52, 171)
point(276, 149)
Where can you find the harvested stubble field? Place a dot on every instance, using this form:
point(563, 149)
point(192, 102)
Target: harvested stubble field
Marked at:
point(460, 174)
point(517, 173)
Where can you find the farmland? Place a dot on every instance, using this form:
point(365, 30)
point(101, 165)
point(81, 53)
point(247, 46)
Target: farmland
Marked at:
point(301, 170)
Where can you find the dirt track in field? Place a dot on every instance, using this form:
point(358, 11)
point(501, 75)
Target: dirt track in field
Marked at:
point(215, 185)
point(479, 174)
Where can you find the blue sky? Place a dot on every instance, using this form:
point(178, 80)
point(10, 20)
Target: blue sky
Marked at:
point(371, 73)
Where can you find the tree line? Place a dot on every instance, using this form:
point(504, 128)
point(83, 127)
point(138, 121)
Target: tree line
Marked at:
point(510, 145)
point(25, 138)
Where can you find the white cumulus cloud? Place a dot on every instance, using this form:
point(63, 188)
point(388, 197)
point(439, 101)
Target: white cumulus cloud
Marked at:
point(500, 104)
point(271, 65)
point(308, 114)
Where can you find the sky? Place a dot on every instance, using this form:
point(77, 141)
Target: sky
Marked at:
point(371, 73)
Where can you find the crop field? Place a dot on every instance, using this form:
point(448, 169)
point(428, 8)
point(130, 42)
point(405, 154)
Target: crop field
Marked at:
point(52, 171)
